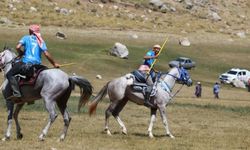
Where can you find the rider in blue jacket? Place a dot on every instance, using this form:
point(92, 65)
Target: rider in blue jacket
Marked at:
point(33, 46)
point(149, 58)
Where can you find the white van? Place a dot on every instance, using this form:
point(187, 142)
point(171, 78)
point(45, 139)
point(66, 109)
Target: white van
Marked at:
point(235, 74)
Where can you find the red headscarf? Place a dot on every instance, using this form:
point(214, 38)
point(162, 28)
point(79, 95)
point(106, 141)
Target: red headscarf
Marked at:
point(35, 29)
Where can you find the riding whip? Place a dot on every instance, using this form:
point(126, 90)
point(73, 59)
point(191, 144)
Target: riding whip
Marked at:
point(63, 65)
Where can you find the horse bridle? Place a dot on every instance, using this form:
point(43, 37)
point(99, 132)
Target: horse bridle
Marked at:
point(175, 77)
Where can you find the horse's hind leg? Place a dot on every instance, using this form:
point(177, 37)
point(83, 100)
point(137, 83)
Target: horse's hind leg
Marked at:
point(50, 106)
point(19, 135)
point(116, 112)
point(62, 105)
point(10, 108)
point(108, 113)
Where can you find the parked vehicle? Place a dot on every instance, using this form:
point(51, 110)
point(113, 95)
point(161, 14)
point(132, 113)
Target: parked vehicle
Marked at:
point(187, 63)
point(235, 74)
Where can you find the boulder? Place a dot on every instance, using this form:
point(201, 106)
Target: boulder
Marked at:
point(98, 77)
point(214, 16)
point(61, 35)
point(241, 34)
point(119, 50)
point(184, 42)
point(4, 20)
point(32, 9)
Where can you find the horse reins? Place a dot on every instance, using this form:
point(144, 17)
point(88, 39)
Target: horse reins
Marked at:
point(5, 64)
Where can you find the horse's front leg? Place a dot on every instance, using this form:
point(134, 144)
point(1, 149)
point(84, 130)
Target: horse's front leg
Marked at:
point(10, 108)
point(151, 124)
point(164, 121)
point(19, 135)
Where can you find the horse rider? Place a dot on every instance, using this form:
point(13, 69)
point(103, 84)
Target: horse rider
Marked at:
point(149, 58)
point(33, 45)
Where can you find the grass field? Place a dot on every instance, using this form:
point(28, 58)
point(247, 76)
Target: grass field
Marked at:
point(203, 123)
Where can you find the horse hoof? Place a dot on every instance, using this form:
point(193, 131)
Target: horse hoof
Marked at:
point(109, 133)
point(124, 132)
point(151, 136)
point(20, 136)
point(60, 140)
point(62, 137)
point(41, 137)
point(6, 138)
point(171, 136)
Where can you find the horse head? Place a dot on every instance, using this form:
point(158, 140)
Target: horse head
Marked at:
point(178, 74)
point(7, 56)
point(184, 77)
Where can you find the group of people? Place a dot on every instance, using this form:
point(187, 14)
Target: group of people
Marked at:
point(198, 90)
point(32, 46)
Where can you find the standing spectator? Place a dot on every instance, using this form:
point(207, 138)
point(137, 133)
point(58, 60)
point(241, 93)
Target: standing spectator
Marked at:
point(216, 90)
point(198, 90)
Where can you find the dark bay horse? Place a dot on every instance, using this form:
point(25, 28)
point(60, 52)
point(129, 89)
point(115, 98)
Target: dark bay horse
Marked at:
point(52, 85)
point(119, 91)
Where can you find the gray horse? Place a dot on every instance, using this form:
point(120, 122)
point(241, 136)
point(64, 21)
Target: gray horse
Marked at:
point(52, 85)
point(120, 91)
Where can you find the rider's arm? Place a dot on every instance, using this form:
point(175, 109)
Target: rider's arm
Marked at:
point(51, 60)
point(150, 55)
point(19, 50)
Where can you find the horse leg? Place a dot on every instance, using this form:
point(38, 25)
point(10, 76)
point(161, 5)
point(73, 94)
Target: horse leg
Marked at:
point(19, 135)
point(108, 113)
point(116, 112)
point(151, 124)
point(163, 114)
point(50, 106)
point(62, 105)
point(66, 119)
point(10, 108)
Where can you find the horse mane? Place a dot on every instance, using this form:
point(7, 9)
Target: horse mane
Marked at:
point(9, 49)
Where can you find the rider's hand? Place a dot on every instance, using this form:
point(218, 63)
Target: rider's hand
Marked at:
point(56, 65)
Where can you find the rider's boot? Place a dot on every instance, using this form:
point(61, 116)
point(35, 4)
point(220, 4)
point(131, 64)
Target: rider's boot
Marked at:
point(15, 88)
point(147, 102)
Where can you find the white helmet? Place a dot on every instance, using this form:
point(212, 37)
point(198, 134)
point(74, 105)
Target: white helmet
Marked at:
point(157, 46)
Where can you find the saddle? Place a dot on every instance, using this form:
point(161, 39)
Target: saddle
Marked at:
point(140, 85)
point(30, 77)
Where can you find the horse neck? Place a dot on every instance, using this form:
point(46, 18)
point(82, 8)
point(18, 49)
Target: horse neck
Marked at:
point(8, 57)
point(171, 77)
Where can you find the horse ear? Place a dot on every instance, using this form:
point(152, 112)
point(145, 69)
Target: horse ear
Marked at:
point(5, 46)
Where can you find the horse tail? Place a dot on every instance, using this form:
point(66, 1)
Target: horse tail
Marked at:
point(102, 93)
point(86, 89)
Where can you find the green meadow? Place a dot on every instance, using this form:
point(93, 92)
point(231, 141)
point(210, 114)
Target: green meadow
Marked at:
point(203, 123)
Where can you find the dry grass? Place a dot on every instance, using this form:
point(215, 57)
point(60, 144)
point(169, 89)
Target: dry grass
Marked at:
point(202, 123)
point(194, 126)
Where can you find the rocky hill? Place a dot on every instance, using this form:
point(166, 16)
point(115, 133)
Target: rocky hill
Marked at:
point(172, 16)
